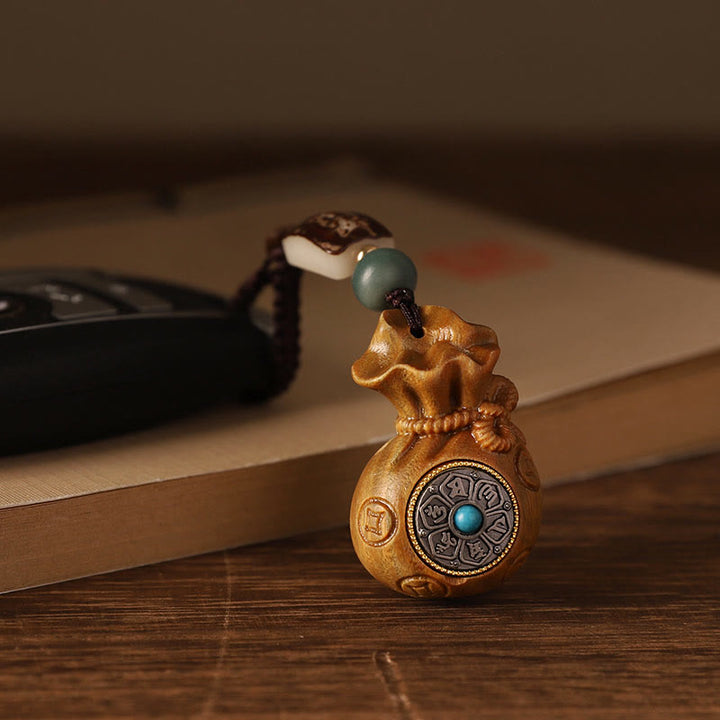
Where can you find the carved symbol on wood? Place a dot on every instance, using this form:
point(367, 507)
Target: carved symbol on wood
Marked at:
point(431, 511)
point(376, 521)
point(526, 469)
point(517, 562)
point(422, 586)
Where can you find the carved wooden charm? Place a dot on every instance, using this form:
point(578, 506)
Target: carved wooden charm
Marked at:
point(451, 505)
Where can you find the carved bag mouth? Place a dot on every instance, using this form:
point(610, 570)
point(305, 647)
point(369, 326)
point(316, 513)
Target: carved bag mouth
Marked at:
point(448, 368)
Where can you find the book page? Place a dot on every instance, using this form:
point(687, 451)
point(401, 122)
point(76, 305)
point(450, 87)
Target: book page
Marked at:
point(569, 316)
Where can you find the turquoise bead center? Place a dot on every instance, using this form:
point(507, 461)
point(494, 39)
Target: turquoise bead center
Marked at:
point(468, 519)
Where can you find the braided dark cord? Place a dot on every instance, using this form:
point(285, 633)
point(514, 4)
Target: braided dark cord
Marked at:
point(404, 300)
point(285, 282)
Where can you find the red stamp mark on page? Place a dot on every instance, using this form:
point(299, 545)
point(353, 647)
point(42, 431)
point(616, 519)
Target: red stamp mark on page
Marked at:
point(486, 259)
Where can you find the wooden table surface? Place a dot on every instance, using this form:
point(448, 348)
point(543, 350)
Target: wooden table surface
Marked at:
point(616, 614)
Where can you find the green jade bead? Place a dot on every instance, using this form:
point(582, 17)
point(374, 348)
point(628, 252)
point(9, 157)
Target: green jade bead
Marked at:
point(379, 272)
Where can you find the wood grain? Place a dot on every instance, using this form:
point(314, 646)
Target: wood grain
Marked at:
point(615, 615)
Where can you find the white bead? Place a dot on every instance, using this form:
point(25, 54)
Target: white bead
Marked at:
point(302, 253)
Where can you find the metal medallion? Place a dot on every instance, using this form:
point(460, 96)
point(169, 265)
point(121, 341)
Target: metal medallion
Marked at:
point(462, 518)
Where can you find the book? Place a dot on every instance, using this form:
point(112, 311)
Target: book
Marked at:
point(616, 357)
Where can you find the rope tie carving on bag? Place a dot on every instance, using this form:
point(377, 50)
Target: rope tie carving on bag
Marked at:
point(492, 429)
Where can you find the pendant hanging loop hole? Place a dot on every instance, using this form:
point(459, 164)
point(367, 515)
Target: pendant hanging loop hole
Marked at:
point(403, 299)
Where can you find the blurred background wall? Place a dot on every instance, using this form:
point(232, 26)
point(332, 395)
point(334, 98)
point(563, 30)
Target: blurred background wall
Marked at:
point(74, 69)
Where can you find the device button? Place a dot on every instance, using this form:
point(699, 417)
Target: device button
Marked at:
point(140, 299)
point(9, 305)
point(25, 311)
point(68, 302)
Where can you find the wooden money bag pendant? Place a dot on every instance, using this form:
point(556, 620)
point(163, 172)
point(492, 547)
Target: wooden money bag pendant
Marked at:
point(449, 506)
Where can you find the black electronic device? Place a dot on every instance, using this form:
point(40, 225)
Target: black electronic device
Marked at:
point(85, 354)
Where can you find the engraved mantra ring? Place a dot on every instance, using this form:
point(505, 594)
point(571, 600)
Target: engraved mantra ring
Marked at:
point(462, 518)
